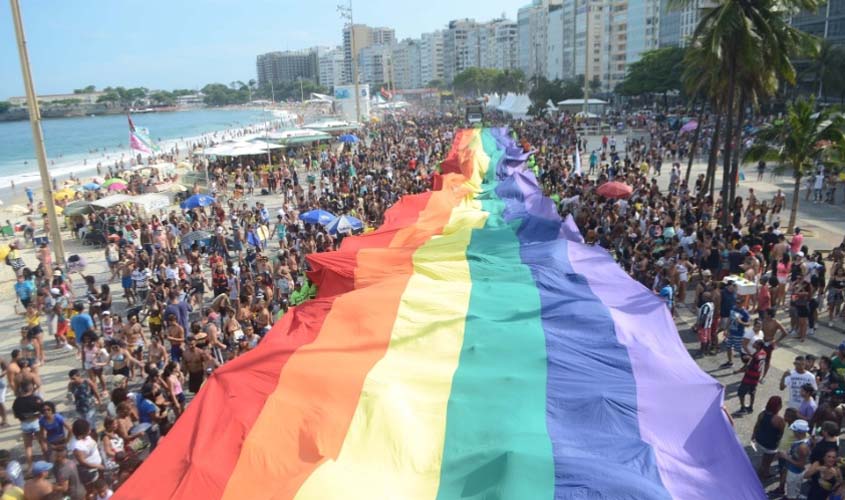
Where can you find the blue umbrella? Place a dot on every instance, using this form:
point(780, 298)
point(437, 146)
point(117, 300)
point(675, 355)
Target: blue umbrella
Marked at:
point(198, 200)
point(91, 186)
point(344, 224)
point(351, 138)
point(317, 217)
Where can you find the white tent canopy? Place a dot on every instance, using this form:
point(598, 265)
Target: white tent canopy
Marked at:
point(515, 105)
point(110, 201)
point(151, 202)
point(284, 135)
point(571, 102)
point(241, 148)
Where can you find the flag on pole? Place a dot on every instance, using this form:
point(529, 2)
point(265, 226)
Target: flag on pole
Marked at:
point(139, 139)
point(577, 159)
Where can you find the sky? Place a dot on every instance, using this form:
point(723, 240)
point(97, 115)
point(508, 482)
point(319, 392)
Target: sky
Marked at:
point(185, 44)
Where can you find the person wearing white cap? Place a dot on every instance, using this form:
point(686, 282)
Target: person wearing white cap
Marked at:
point(796, 458)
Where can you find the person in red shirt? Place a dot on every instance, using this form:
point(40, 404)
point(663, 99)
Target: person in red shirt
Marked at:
point(753, 369)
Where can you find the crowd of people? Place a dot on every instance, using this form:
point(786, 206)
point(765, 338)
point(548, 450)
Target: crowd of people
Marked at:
point(188, 290)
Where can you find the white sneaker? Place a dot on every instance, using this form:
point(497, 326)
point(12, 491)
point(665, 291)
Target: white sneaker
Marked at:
point(811, 331)
point(68, 347)
point(830, 324)
point(793, 333)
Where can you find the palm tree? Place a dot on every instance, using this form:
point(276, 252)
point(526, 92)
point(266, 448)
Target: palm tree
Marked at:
point(748, 45)
point(799, 141)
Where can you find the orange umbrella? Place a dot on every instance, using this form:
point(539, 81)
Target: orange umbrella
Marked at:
point(614, 190)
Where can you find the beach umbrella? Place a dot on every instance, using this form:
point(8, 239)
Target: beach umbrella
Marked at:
point(344, 224)
point(689, 126)
point(614, 190)
point(91, 186)
point(112, 181)
point(317, 217)
point(117, 186)
point(59, 209)
point(64, 194)
point(78, 208)
point(348, 138)
point(197, 200)
point(195, 236)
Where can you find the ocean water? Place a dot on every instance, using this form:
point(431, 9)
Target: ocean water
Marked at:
point(78, 144)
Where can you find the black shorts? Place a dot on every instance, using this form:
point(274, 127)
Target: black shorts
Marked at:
point(25, 302)
point(195, 380)
point(746, 389)
point(803, 311)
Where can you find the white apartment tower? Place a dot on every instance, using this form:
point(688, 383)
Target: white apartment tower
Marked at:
point(431, 57)
point(532, 39)
point(331, 68)
point(405, 66)
point(458, 55)
point(364, 36)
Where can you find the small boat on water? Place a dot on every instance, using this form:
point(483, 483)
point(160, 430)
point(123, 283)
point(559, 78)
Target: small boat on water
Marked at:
point(142, 110)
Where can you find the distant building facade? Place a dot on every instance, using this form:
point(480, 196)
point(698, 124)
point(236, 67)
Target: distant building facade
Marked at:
point(287, 66)
point(90, 98)
point(330, 65)
point(363, 36)
point(431, 57)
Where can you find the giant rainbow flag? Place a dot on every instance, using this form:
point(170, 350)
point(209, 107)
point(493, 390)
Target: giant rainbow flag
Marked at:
point(472, 347)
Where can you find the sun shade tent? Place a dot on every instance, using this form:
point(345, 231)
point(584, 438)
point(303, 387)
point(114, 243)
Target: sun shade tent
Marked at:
point(298, 136)
point(110, 201)
point(151, 202)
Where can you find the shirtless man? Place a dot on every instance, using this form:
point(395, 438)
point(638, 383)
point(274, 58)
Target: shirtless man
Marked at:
point(196, 360)
point(216, 347)
point(39, 487)
point(135, 337)
point(779, 249)
point(262, 318)
point(176, 336)
point(27, 374)
point(12, 371)
point(777, 202)
point(770, 328)
point(125, 268)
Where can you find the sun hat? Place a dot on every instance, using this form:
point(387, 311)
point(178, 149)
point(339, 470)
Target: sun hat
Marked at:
point(800, 426)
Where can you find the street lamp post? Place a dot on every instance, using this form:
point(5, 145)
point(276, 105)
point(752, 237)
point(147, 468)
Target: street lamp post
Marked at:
point(346, 13)
point(38, 136)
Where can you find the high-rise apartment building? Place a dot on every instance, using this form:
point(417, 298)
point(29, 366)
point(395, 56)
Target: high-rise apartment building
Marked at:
point(560, 41)
point(405, 65)
point(364, 36)
point(374, 65)
point(677, 25)
point(828, 23)
point(331, 68)
point(502, 53)
point(431, 57)
point(287, 66)
point(457, 53)
point(532, 39)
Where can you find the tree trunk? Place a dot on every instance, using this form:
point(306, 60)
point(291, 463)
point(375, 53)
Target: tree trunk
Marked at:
point(710, 180)
point(695, 144)
point(729, 137)
point(738, 144)
point(796, 195)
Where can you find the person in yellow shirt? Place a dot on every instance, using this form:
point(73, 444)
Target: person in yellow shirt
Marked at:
point(645, 168)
